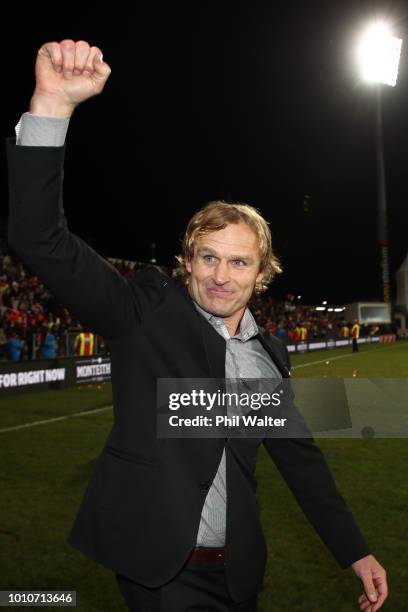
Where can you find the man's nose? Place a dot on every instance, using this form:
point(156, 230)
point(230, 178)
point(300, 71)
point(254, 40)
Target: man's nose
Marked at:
point(221, 274)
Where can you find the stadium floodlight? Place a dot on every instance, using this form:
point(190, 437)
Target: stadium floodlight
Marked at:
point(379, 54)
point(320, 308)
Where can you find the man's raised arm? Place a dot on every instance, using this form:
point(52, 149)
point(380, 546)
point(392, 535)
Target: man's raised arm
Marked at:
point(67, 74)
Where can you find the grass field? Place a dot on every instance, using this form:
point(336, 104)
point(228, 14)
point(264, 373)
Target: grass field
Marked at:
point(45, 465)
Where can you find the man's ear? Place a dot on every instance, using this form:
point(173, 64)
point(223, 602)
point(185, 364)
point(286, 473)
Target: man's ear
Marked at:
point(188, 265)
point(259, 277)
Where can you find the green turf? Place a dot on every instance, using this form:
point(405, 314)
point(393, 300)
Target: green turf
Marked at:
point(44, 470)
point(28, 407)
point(372, 361)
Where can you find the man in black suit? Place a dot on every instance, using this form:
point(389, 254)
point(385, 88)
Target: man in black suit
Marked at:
point(177, 520)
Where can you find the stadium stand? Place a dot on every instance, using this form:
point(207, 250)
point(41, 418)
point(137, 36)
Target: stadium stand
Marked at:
point(33, 323)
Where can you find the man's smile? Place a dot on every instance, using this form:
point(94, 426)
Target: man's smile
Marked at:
point(219, 292)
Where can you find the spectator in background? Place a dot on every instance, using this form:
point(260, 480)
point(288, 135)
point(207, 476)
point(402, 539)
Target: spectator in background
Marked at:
point(303, 332)
point(345, 331)
point(15, 347)
point(282, 332)
point(49, 345)
point(84, 343)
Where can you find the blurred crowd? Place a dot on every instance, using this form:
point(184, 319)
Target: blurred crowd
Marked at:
point(30, 316)
point(34, 325)
point(292, 322)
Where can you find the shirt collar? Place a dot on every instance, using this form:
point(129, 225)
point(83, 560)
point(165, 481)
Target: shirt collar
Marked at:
point(247, 327)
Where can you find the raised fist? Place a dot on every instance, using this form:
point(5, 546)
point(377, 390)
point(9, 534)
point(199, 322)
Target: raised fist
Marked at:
point(66, 74)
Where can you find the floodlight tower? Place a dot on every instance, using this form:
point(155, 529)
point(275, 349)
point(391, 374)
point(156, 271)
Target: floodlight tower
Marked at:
point(378, 55)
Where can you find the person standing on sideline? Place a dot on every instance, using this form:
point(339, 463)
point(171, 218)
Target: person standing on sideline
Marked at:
point(355, 334)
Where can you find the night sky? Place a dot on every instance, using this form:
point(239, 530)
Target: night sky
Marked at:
point(252, 101)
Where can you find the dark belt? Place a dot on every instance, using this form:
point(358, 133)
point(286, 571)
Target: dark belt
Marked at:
point(204, 554)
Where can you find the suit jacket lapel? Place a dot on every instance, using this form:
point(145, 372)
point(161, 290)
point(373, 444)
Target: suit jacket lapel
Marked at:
point(214, 344)
point(275, 356)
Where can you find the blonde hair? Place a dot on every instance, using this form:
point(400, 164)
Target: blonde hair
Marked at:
point(216, 215)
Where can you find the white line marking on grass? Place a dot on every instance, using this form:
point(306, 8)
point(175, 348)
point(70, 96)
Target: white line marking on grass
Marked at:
point(55, 419)
point(86, 412)
point(309, 363)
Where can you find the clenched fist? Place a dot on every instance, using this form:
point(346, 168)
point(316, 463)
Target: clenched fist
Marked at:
point(66, 74)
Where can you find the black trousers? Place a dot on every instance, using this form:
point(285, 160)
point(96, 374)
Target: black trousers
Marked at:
point(198, 587)
point(355, 345)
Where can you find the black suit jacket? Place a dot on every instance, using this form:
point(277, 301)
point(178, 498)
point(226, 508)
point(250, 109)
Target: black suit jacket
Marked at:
point(141, 509)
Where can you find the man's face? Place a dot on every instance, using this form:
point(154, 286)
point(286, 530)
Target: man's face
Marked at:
point(224, 269)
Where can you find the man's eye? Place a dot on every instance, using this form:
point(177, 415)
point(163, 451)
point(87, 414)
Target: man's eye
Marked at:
point(208, 258)
point(239, 263)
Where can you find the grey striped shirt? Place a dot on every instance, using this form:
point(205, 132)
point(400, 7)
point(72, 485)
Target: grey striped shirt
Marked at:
point(245, 357)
